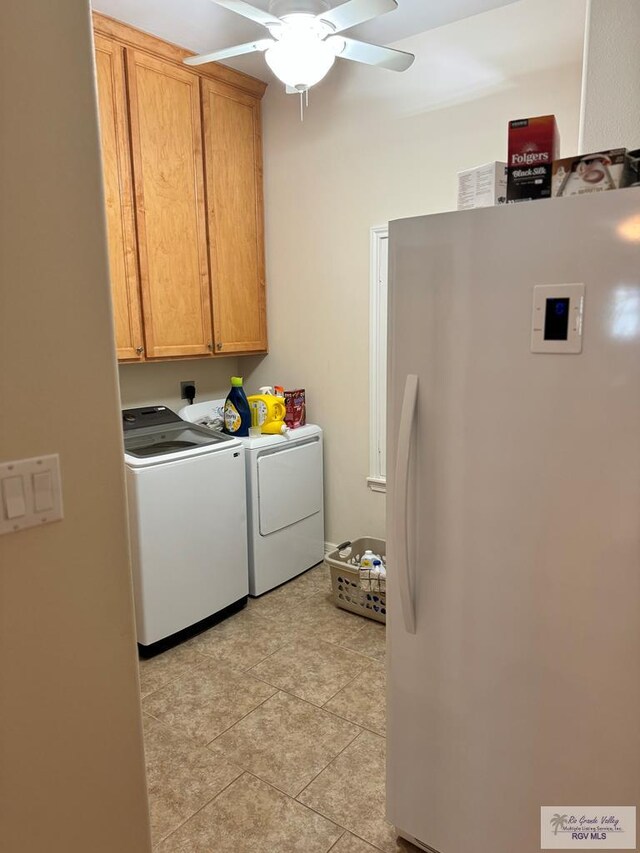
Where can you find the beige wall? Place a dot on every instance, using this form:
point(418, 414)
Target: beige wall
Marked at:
point(151, 384)
point(611, 81)
point(376, 146)
point(71, 760)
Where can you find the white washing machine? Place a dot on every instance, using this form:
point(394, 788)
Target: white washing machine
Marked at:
point(186, 493)
point(285, 499)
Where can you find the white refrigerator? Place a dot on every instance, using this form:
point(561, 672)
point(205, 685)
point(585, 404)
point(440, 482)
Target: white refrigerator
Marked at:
point(514, 522)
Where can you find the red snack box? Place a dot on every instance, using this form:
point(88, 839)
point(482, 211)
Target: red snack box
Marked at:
point(534, 144)
point(294, 402)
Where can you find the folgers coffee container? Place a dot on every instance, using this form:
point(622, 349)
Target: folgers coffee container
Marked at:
point(534, 144)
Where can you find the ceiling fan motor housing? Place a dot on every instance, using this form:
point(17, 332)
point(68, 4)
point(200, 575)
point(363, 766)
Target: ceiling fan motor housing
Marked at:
point(280, 8)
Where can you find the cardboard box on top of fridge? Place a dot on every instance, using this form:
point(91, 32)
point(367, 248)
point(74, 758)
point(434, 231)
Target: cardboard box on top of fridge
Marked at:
point(593, 173)
point(482, 186)
point(534, 143)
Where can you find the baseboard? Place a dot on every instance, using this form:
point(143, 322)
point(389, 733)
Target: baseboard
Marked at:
point(330, 546)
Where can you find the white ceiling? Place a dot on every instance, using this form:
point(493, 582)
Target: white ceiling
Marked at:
point(202, 26)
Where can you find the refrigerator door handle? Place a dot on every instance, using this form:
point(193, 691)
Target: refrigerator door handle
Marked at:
point(400, 510)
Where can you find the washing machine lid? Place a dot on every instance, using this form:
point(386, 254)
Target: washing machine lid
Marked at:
point(155, 434)
point(209, 413)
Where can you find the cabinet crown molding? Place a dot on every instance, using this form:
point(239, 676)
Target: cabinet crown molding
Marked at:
point(133, 37)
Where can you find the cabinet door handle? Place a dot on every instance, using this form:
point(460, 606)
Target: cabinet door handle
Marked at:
point(210, 346)
point(139, 350)
point(218, 346)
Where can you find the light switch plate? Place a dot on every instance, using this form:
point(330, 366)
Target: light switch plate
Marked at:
point(41, 487)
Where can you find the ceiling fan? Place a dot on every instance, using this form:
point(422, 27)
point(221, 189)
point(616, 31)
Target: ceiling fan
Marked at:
point(303, 39)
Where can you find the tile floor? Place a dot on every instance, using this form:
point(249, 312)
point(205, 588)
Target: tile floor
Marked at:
point(266, 733)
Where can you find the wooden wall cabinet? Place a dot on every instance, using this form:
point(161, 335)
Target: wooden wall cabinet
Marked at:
point(118, 192)
point(166, 132)
point(233, 161)
point(182, 159)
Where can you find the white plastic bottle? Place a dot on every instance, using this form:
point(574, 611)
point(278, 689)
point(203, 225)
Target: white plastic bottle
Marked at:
point(367, 559)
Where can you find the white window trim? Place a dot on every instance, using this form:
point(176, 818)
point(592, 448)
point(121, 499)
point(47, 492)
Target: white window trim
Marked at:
point(375, 481)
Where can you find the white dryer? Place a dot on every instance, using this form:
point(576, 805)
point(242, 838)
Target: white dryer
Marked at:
point(285, 500)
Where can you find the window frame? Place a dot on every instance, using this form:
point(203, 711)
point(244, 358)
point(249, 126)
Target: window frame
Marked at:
point(378, 291)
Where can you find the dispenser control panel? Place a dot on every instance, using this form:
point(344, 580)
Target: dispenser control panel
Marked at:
point(556, 325)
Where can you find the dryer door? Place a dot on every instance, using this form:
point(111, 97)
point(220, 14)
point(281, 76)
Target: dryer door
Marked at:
point(289, 485)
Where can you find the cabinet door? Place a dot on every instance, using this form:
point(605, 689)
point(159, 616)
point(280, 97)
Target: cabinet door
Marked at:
point(233, 160)
point(118, 191)
point(170, 212)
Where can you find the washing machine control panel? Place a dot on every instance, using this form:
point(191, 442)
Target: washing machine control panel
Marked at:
point(148, 416)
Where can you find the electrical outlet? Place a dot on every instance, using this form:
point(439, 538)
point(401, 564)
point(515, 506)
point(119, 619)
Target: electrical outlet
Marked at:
point(185, 386)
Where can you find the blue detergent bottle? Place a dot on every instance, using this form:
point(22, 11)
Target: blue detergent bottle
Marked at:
point(237, 414)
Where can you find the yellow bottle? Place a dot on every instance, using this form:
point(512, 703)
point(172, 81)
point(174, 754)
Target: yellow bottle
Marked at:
point(267, 410)
point(275, 428)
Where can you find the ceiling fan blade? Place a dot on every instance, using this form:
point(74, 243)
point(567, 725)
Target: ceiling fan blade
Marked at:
point(227, 52)
point(251, 12)
point(355, 12)
point(370, 54)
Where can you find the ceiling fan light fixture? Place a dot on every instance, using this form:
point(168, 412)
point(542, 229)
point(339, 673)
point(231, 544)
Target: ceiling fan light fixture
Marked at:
point(305, 38)
point(300, 60)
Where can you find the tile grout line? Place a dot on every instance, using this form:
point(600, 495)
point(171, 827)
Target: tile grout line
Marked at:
point(224, 757)
point(359, 631)
point(325, 768)
point(353, 832)
point(197, 811)
point(356, 735)
point(207, 661)
point(247, 670)
point(306, 702)
point(360, 725)
point(340, 716)
point(177, 730)
point(334, 845)
point(300, 600)
point(290, 640)
point(369, 663)
point(366, 841)
point(297, 802)
point(235, 723)
point(172, 680)
point(276, 691)
point(367, 666)
point(263, 782)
